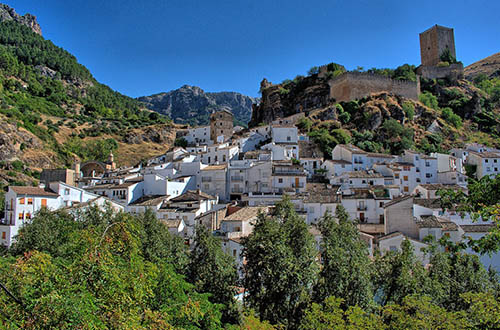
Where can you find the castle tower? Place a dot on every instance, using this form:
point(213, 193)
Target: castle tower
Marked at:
point(221, 126)
point(433, 42)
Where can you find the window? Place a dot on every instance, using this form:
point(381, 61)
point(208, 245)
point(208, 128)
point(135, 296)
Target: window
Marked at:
point(66, 191)
point(21, 216)
point(44, 202)
point(234, 253)
point(21, 200)
point(405, 178)
point(381, 204)
point(30, 201)
point(223, 158)
point(405, 189)
point(4, 235)
point(381, 219)
point(418, 180)
point(486, 160)
point(487, 169)
point(28, 215)
point(427, 164)
point(428, 175)
point(288, 138)
point(363, 181)
point(280, 180)
point(396, 175)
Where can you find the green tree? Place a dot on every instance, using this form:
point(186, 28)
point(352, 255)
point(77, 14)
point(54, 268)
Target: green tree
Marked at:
point(345, 271)
point(409, 110)
point(208, 259)
point(331, 315)
point(280, 266)
point(397, 275)
point(418, 312)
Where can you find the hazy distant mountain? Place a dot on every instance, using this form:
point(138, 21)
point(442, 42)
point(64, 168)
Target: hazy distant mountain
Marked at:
point(192, 105)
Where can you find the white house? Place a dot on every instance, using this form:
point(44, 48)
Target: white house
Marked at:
point(213, 181)
point(288, 177)
point(21, 203)
point(284, 134)
point(487, 163)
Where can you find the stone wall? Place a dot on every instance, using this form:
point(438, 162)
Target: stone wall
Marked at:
point(355, 85)
point(452, 72)
point(221, 123)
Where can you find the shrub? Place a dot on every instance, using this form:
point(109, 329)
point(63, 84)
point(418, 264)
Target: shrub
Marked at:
point(181, 142)
point(429, 100)
point(409, 110)
point(312, 71)
point(451, 117)
point(304, 124)
point(17, 165)
point(344, 117)
point(284, 91)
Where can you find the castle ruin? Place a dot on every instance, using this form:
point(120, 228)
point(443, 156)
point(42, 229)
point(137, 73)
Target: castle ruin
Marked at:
point(434, 43)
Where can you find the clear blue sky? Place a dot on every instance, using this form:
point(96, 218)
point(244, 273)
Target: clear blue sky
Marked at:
point(145, 47)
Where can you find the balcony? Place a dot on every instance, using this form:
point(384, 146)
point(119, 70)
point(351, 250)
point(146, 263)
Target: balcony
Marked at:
point(206, 179)
point(237, 178)
point(361, 207)
point(237, 190)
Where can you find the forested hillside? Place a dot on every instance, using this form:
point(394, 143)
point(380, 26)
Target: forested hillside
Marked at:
point(52, 110)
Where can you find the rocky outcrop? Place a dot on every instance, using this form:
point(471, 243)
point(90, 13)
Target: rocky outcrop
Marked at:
point(282, 100)
point(192, 105)
point(9, 14)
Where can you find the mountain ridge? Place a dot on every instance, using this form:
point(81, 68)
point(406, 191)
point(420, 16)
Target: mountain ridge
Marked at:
point(192, 105)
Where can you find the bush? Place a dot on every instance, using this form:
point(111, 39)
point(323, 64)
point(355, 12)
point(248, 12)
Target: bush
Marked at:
point(181, 142)
point(344, 117)
point(451, 117)
point(305, 124)
point(284, 91)
point(429, 100)
point(409, 110)
point(312, 71)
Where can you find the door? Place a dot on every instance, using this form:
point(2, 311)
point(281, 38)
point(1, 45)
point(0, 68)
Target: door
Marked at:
point(296, 182)
point(362, 217)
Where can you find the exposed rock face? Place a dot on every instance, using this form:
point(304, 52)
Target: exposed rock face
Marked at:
point(190, 104)
point(9, 14)
point(284, 100)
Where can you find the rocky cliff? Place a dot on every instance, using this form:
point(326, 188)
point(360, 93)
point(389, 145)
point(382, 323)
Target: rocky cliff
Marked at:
point(9, 14)
point(192, 105)
point(285, 99)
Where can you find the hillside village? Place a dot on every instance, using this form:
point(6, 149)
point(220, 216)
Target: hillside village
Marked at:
point(223, 176)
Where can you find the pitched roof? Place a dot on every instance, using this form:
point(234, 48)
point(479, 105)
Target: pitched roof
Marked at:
point(321, 193)
point(353, 149)
point(214, 167)
point(391, 235)
point(431, 203)
point(437, 186)
point(36, 191)
point(192, 196)
point(364, 174)
point(431, 221)
point(485, 154)
point(478, 228)
point(149, 200)
point(397, 200)
point(379, 155)
point(246, 213)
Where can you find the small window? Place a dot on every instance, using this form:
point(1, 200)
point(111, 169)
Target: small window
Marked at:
point(28, 215)
point(21, 201)
point(4, 235)
point(280, 180)
point(381, 204)
point(66, 191)
point(405, 178)
point(30, 201)
point(486, 160)
point(21, 216)
point(405, 189)
point(396, 175)
point(44, 202)
point(234, 253)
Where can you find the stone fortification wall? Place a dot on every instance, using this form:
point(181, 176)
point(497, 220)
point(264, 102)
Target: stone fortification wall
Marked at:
point(355, 85)
point(453, 71)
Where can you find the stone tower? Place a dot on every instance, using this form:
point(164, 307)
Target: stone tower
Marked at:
point(433, 42)
point(221, 125)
